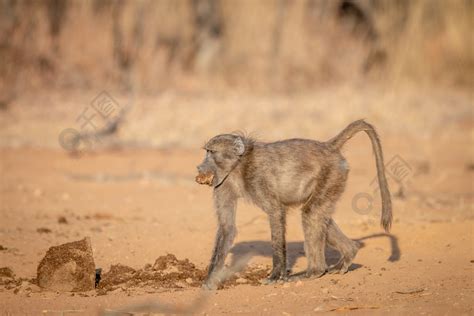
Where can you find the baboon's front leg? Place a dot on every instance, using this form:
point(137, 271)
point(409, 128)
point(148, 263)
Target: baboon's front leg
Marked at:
point(278, 228)
point(225, 208)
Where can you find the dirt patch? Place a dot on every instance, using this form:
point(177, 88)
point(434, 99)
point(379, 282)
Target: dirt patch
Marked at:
point(43, 230)
point(6, 272)
point(252, 276)
point(166, 272)
point(169, 272)
point(9, 281)
point(447, 285)
point(62, 220)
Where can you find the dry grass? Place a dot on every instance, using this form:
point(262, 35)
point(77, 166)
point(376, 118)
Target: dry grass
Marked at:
point(271, 45)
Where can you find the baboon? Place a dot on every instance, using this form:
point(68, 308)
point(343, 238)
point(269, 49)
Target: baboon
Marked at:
point(283, 174)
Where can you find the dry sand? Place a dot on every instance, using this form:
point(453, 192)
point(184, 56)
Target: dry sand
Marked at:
point(137, 205)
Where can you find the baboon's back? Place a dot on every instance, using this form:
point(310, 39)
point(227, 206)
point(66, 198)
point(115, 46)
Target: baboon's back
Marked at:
point(289, 170)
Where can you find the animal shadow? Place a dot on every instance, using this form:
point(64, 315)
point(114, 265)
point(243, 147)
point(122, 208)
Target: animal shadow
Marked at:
point(295, 250)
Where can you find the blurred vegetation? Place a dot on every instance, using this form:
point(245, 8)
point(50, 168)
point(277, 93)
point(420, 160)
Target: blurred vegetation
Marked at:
point(264, 46)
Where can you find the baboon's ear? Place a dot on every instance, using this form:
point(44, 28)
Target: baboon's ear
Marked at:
point(239, 146)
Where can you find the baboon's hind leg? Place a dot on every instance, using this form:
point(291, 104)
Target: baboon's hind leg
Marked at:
point(346, 247)
point(315, 224)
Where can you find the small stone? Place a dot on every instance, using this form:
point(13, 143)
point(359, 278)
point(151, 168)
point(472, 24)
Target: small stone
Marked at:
point(34, 288)
point(147, 267)
point(299, 283)
point(189, 281)
point(286, 285)
point(62, 220)
point(241, 281)
point(7, 272)
point(325, 290)
point(318, 309)
point(117, 290)
point(25, 288)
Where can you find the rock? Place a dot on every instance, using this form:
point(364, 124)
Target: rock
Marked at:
point(68, 267)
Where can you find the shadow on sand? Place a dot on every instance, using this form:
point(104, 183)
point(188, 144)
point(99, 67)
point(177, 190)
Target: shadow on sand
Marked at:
point(295, 250)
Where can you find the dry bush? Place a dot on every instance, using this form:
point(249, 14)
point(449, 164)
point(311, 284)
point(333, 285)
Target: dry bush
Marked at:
point(270, 45)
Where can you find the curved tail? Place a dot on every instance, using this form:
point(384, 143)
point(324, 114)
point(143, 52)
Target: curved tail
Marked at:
point(338, 141)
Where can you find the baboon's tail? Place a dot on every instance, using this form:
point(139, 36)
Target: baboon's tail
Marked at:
point(345, 135)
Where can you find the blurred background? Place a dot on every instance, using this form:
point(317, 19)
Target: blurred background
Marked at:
point(187, 69)
point(270, 45)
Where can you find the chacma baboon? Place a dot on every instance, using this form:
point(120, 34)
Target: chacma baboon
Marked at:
point(279, 175)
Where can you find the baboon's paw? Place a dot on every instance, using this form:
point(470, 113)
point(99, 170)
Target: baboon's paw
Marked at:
point(336, 268)
point(275, 277)
point(209, 286)
point(268, 281)
point(341, 267)
point(315, 273)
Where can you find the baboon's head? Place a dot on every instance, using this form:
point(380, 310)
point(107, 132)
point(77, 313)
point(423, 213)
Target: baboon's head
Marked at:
point(222, 155)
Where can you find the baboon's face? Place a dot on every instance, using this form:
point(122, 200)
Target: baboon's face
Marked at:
point(222, 154)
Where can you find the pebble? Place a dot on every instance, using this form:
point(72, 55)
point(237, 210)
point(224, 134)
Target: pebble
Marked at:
point(241, 281)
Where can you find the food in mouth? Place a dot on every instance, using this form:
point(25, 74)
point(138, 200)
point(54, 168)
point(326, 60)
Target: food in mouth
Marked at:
point(205, 178)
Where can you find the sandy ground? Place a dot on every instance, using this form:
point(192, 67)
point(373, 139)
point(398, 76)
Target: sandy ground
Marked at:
point(139, 204)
